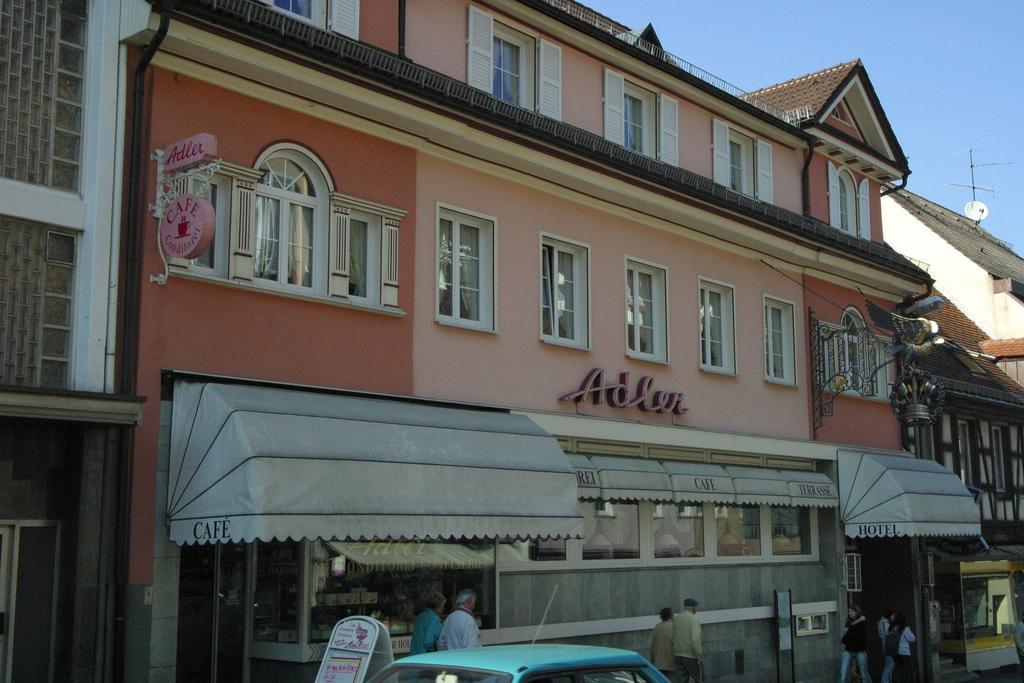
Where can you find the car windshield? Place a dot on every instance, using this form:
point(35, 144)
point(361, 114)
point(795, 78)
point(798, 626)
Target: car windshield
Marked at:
point(439, 674)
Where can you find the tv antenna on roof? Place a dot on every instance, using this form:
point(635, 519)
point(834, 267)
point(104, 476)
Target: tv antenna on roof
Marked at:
point(975, 210)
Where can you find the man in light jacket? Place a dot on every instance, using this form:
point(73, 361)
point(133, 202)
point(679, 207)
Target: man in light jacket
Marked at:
point(460, 630)
point(686, 643)
point(661, 645)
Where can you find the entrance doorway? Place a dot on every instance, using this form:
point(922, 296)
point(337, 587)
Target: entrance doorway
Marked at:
point(212, 626)
point(29, 555)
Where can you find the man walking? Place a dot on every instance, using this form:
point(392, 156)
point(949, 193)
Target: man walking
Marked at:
point(661, 645)
point(686, 643)
point(460, 630)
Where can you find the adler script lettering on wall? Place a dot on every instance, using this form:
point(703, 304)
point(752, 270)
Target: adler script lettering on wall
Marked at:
point(618, 395)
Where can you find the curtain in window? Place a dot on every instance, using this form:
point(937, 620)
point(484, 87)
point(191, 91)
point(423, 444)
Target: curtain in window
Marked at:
point(300, 7)
point(357, 257)
point(566, 296)
point(300, 252)
point(268, 235)
point(444, 267)
point(634, 113)
point(469, 273)
point(506, 71)
point(547, 288)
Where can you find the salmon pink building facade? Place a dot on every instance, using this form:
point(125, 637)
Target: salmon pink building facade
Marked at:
point(500, 295)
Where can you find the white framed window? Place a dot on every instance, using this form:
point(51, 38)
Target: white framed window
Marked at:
point(638, 118)
point(611, 531)
point(213, 261)
point(791, 530)
point(646, 311)
point(811, 624)
point(513, 66)
point(854, 360)
point(717, 327)
point(465, 269)
point(852, 571)
point(678, 531)
point(312, 11)
point(291, 215)
point(849, 205)
point(564, 296)
point(847, 201)
point(741, 163)
point(999, 446)
point(364, 238)
point(738, 531)
point(779, 346)
point(965, 448)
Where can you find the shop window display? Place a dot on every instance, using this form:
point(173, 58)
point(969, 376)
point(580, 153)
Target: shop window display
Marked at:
point(390, 581)
point(678, 530)
point(276, 604)
point(738, 530)
point(612, 531)
point(791, 531)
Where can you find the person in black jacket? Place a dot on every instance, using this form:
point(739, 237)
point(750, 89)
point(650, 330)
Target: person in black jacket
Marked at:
point(855, 644)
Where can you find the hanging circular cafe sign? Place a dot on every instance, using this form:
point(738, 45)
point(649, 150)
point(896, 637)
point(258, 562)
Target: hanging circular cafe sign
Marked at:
point(187, 226)
point(619, 395)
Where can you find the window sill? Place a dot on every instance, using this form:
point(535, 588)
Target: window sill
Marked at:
point(647, 359)
point(781, 383)
point(450, 322)
point(219, 281)
point(551, 341)
point(718, 371)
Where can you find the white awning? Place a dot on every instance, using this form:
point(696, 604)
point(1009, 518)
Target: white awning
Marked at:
point(894, 495)
point(621, 478)
point(755, 486)
point(697, 482)
point(812, 489)
point(250, 463)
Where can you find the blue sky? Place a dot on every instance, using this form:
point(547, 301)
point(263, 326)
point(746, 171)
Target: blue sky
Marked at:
point(950, 74)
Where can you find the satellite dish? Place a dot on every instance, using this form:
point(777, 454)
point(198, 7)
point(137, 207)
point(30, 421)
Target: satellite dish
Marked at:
point(976, 211)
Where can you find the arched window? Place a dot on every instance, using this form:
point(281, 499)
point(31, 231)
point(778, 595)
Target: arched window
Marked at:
point(853, 348)
point(291, 218)
point(847, 202)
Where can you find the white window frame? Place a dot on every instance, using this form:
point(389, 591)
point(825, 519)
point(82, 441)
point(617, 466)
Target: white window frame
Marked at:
point(222, 232)
point(728, 293)
point(747, 161)
point(527, 62)
point(999, 456)
point(374, 233)
point(659, 283)
point(853, 576)
point(875, 353)
point(846, 180)
point(317, 12)
point(488, 226)
point(581, 279)
point(318, 174)
point(811, 631)
point(574, 547)
point(788, 309)
point(965, 449)
point(649, 122)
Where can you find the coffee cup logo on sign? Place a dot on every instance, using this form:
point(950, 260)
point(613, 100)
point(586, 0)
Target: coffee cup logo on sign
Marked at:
point(187, 227)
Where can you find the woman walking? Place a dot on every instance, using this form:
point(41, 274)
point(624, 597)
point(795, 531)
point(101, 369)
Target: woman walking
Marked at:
point(855, 644)
point(901, 674)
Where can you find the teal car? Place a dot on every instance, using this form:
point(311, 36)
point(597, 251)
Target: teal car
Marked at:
point(523, 664)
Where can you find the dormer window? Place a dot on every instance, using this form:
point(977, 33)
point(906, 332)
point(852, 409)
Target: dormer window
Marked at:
point(847, 202)
point(849, 207)
point(513, 66)
point(742, 163)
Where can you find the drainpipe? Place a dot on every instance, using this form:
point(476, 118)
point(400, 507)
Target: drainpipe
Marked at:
point(805, 178)
point(128, 371)
point(401, 28)
point(897, 188)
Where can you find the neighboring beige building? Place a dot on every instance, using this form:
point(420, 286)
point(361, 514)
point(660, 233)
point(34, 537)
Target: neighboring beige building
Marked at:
point(980, 273)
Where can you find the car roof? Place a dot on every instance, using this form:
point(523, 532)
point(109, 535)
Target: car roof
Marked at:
point(518, 659)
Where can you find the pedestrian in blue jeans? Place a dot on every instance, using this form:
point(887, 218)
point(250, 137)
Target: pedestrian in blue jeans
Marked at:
point(855, 644)
point(884, 624)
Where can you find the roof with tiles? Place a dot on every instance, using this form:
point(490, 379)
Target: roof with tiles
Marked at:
point(992, 383)
point(964, 235)
point(1003, 348)
point(810, 90)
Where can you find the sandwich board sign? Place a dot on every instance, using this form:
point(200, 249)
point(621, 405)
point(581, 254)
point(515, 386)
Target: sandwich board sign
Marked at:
point(359, 647)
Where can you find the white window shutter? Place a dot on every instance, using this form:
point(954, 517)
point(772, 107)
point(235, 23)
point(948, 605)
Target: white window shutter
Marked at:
point(720, 148)
point(614, 116)
point(549, 95)
point(480, 67)
point(833, 196)
point(338, 250)
point(765, 188)
point(668, 130)
point(243, 223)
point(345, 18)
point(389, 263)
point(864, 210)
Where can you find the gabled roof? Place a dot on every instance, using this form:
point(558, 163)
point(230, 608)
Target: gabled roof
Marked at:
point(811, 98)
point(810, 90)
point(964, 235)
point(1004, 348)
point(994, 384)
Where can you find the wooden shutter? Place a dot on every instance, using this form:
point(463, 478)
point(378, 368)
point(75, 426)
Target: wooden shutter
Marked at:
point(242, 222)
point(833, 196)
point(614, 117)
point(549, 94)
point(668, 130)
point(720, 150)
point(864, 210)
point(765, 186)
point(338, 250)
point(345, 18)
point(480, 67)
point(389, 263)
